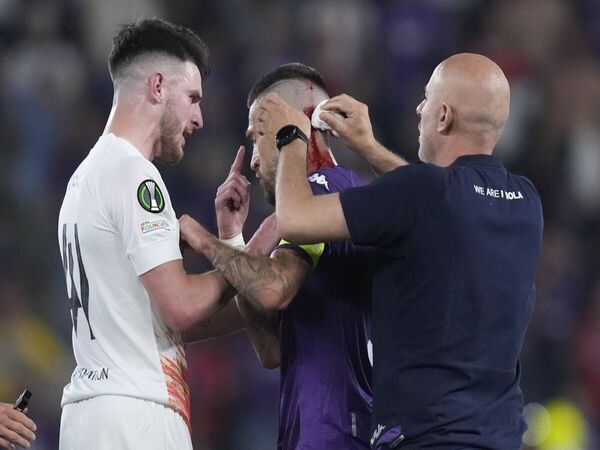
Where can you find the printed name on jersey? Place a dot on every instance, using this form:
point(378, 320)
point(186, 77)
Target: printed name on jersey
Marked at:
point(150, 196)
point(319, 179)
point(147, 227)
point(92, 375)
point(498, 193)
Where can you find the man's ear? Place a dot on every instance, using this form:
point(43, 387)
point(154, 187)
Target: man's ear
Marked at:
point(445, 119)
point(156, 85)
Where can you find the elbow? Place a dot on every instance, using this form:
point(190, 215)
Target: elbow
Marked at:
point(270, 361)
point(269, 355)
point(176, 323)
point(273, 301)
point(178, 319)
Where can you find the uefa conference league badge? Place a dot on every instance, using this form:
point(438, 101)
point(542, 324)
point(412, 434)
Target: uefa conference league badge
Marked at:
point(150, 196)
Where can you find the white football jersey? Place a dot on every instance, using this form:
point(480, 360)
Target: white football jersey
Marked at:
point(117, 223)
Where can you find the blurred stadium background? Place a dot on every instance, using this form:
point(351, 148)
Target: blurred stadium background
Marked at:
point(55, 94)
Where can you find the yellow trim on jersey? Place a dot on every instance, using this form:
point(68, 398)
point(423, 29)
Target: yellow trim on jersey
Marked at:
point(313, 250)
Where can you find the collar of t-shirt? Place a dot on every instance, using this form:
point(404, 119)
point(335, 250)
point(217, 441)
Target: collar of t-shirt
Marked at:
point(478, 160)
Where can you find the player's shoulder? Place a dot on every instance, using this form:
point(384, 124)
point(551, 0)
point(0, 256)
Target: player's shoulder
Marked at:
point(416, 182)
point(419, 175)
point(333, 179)
point(421, 169)
point(524, 181)
point(124, 163)
point(529, 190)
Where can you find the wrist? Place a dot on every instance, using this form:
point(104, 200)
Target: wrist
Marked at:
point(366, 149)
point(236, 241)
point(228, 233)
point(297, 146)
point(290, 134)
point(369, 147)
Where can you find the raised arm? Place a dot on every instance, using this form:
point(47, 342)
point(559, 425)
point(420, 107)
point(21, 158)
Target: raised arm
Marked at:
point(349, 118)
point(269, 282)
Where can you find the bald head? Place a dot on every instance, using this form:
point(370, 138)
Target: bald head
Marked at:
point(465, 108)
point(478, 90)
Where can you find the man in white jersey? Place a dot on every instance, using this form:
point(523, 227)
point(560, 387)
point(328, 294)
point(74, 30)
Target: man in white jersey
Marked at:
point(129, 295)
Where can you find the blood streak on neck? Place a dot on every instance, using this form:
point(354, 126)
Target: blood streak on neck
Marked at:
point(316, 159)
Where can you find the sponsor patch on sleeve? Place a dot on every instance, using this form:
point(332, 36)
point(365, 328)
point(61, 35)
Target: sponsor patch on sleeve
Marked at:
point(154, 225)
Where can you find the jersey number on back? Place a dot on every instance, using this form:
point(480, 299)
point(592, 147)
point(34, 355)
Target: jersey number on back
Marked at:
point(84, 289)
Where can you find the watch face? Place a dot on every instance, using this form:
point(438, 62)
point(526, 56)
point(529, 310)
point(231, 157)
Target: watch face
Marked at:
point(287, 134)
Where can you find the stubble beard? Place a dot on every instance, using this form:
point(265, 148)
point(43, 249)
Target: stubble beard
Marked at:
point(268, 177)
point(169, 150)
point(268, 192)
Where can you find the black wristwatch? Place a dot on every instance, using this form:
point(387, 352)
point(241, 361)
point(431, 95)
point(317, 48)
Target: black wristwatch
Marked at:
point(287, 134)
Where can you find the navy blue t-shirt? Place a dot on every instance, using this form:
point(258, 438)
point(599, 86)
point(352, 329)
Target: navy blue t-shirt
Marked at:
point(453, 292)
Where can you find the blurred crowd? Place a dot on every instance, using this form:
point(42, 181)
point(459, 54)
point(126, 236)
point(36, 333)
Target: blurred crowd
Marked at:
point(55, 95)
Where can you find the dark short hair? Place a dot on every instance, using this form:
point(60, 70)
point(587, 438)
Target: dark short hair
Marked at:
point(156, 35)
point(291, 71)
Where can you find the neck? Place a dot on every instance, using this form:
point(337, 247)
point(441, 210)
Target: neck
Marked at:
point(319, 154)
point(128, 121)
point(457, 146)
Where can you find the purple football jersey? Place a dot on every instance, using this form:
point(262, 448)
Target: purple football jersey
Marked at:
point(326, 375)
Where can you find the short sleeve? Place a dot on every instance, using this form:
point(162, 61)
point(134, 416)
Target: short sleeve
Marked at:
point(386, 209)
point(332, 179)
point(139, 207)
point(324, 181)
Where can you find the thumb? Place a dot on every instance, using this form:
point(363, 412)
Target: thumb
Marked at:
point(236, 166)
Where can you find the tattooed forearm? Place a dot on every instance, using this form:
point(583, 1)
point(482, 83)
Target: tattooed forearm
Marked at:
point(257, 277)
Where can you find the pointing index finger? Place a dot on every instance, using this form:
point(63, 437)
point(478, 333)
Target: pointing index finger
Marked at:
point(236, 166)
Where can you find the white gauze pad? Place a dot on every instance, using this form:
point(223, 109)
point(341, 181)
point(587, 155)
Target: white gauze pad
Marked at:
point(316, 121)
